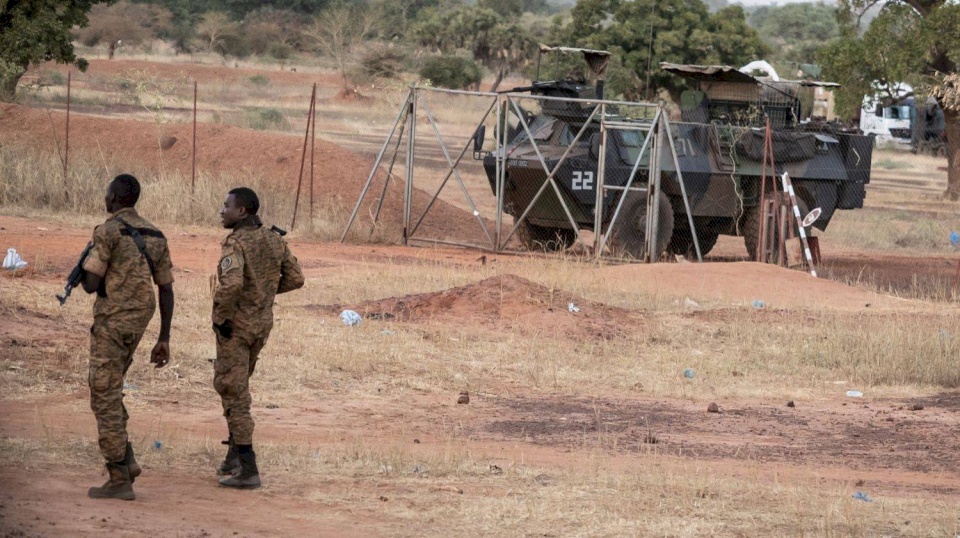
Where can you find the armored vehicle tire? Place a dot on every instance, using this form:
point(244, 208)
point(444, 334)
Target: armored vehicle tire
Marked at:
point(543, 238)
point(627, 239)
point(682, 241)
point(750, 226)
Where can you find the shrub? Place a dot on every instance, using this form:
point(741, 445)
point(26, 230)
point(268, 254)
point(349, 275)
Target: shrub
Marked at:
point(452, 72)
point(279, 51)
point(259, 80)
point(264, 119)
point(383, 61)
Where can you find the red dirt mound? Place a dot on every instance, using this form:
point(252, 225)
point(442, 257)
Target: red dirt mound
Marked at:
point(135, 146)
point(505, 302)
point(347, 95)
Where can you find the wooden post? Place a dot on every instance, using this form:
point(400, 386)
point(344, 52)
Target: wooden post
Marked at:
point(313, 147)
point(303, 157)
point(66, 151)
point(193, 166)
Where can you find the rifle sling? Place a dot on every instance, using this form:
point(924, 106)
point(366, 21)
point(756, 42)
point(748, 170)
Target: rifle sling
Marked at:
point(137, 235)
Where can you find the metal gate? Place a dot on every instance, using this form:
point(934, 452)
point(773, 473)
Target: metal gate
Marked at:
point(551, 173)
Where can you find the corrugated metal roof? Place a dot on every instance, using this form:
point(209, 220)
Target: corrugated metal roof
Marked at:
point(721, 73)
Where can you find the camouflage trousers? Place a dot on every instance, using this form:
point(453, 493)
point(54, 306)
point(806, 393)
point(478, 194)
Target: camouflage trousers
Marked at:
point(112, 345)
point(236, 361)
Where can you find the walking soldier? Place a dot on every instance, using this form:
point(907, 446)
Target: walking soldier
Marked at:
point(255, 265)
point(128, 252)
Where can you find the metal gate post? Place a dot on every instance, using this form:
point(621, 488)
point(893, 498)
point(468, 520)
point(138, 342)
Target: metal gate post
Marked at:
point(400, 117)
point(647, 143)
point(653, 197)
point(500, 151)
point(601, 180)
point(411, 151)
point(683, 188)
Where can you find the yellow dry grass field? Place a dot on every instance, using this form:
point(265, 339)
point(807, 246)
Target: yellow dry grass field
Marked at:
point(588, 383)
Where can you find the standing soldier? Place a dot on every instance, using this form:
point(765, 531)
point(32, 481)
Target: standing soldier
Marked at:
point(255, 265)
point(128, 252)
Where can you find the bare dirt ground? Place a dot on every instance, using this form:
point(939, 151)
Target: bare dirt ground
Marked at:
point(372, 442)
point(881, 444)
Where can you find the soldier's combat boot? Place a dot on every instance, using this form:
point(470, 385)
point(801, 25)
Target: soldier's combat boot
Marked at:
point(248, 477)
point(118, 486)
point(131, 462)
point(231, 462)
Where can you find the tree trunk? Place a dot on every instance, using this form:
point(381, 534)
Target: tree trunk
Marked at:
point(8, 83)
point(952, 131)
point(500, 74)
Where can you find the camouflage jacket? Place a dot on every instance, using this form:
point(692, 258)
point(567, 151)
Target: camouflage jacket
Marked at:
point(125, 271)
point(255, 265)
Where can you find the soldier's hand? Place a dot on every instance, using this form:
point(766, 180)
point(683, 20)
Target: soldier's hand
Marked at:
point(225, 329)
point(160, 355)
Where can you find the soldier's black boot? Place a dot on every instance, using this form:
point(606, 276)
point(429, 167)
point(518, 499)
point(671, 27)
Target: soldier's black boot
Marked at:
point(118, 486)
point(249, 476)
point(131, 462)
point(231, 462)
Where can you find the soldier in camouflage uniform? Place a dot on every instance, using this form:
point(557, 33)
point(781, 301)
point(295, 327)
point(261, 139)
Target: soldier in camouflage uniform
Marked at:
point(255, 265)
point(129, 255)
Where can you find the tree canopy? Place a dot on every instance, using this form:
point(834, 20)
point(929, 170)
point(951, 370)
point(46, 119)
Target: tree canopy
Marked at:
point(37, 31)
point(795, 31)
point(912, 41)
point(643, 33)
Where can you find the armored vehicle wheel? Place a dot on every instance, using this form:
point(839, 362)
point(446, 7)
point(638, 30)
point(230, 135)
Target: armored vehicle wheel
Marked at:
point(628, 237)
point(750, 226)
point(682, 241)
point(543, 238)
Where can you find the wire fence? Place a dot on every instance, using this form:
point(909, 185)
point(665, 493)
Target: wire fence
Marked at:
point(547, 174)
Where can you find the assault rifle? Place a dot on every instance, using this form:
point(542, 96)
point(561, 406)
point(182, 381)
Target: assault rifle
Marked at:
point(76, 275)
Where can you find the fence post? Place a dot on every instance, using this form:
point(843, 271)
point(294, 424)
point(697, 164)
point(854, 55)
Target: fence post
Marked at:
point(313, 146)
point(193, 165)
point(66, 151)
point(303, 157)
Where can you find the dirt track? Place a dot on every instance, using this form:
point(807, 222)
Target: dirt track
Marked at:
point(882, 443)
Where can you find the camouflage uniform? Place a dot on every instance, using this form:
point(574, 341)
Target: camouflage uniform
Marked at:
point(120, 317)
point(255, 265)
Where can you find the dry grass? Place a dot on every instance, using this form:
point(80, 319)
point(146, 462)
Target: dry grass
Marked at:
point(31, 183)
point(649, 496)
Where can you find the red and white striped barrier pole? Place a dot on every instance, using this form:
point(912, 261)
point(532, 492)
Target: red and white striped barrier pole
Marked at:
point(788, 187)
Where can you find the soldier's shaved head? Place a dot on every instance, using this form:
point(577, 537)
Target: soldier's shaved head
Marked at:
point(126, 190)
point(246, 198)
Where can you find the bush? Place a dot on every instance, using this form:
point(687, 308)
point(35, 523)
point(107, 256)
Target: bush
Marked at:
point(383, 61)
point(279, 51)
point(264, 119)
point(259, 80)
point(452, 72)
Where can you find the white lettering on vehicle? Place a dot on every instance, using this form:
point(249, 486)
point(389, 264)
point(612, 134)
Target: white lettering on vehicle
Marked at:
point(582, 181)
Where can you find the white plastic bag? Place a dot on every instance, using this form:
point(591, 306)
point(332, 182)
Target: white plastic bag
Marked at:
point(13, 261)
point(350, 317)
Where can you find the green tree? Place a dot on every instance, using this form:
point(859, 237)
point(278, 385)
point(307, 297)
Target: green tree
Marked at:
point(643, 33)
point(498, 42)
point(396, 16)
point(37, 31)
point(795, 31)
point(913, 41)
point(453, 72)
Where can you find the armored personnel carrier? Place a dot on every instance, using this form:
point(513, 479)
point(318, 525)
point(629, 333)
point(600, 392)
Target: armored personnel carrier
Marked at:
point(719, 143)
